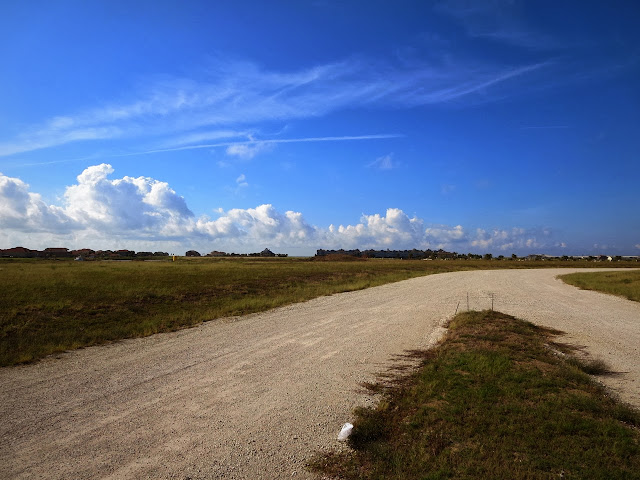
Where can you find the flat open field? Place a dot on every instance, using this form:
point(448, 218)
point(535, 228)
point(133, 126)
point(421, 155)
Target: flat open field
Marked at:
point(624, 283)
point(257, 396)
point(53, 306)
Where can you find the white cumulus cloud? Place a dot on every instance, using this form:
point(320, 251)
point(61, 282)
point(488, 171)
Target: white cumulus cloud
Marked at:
point(445, 236)
point(144, 213)
point(24, 211)
point(124, 204)
point(395, 230)
point(513, 239)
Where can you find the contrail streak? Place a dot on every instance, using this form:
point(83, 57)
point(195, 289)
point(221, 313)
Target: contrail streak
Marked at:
point(270, 141)
point(223, 144)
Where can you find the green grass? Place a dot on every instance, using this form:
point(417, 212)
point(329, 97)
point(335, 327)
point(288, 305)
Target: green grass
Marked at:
point(624, 284)
point(492, 401)
point(53, 306)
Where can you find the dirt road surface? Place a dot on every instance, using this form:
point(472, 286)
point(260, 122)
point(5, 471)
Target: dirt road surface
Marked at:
point(255, 397)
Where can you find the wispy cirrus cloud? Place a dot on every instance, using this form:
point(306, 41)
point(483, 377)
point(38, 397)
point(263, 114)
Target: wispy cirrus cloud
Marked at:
point(52, 135)
point(386, 162)
point(499, 20)
point(245, 149)
point(545, 127)
point(248, 148)
point(232, 98)
point(447, 188)
point(241, 181)
point(197, 137)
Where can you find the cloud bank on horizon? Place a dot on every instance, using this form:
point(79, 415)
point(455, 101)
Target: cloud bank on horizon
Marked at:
point(143, 213)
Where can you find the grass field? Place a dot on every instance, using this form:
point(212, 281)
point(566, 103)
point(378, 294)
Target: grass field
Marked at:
point(624, 284)
point(52, 306)
point(492, 401)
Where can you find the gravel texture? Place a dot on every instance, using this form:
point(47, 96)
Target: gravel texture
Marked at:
point(255, 397)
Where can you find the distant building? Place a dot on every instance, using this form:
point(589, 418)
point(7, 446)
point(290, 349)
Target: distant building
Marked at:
point(413, 254)
point(19, 252)
point(57, 252)
point(540, 256)
point(83, 252)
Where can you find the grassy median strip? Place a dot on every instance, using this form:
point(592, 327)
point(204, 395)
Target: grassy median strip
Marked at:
point(624, 283)
point(497, 399)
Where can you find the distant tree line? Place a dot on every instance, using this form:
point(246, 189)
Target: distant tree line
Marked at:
point(83, 253)
point(444, 255)
point(265, 253)
point(89, 254)
point(413, 254)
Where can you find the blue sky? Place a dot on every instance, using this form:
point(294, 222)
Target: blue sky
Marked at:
point(502, 127)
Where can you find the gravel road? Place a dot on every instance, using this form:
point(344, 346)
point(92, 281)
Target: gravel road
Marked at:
point(254, 397)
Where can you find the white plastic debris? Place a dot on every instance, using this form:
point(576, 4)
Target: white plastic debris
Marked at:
point(347, 428)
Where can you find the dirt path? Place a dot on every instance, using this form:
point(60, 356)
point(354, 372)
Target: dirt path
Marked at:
point(253, 398)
